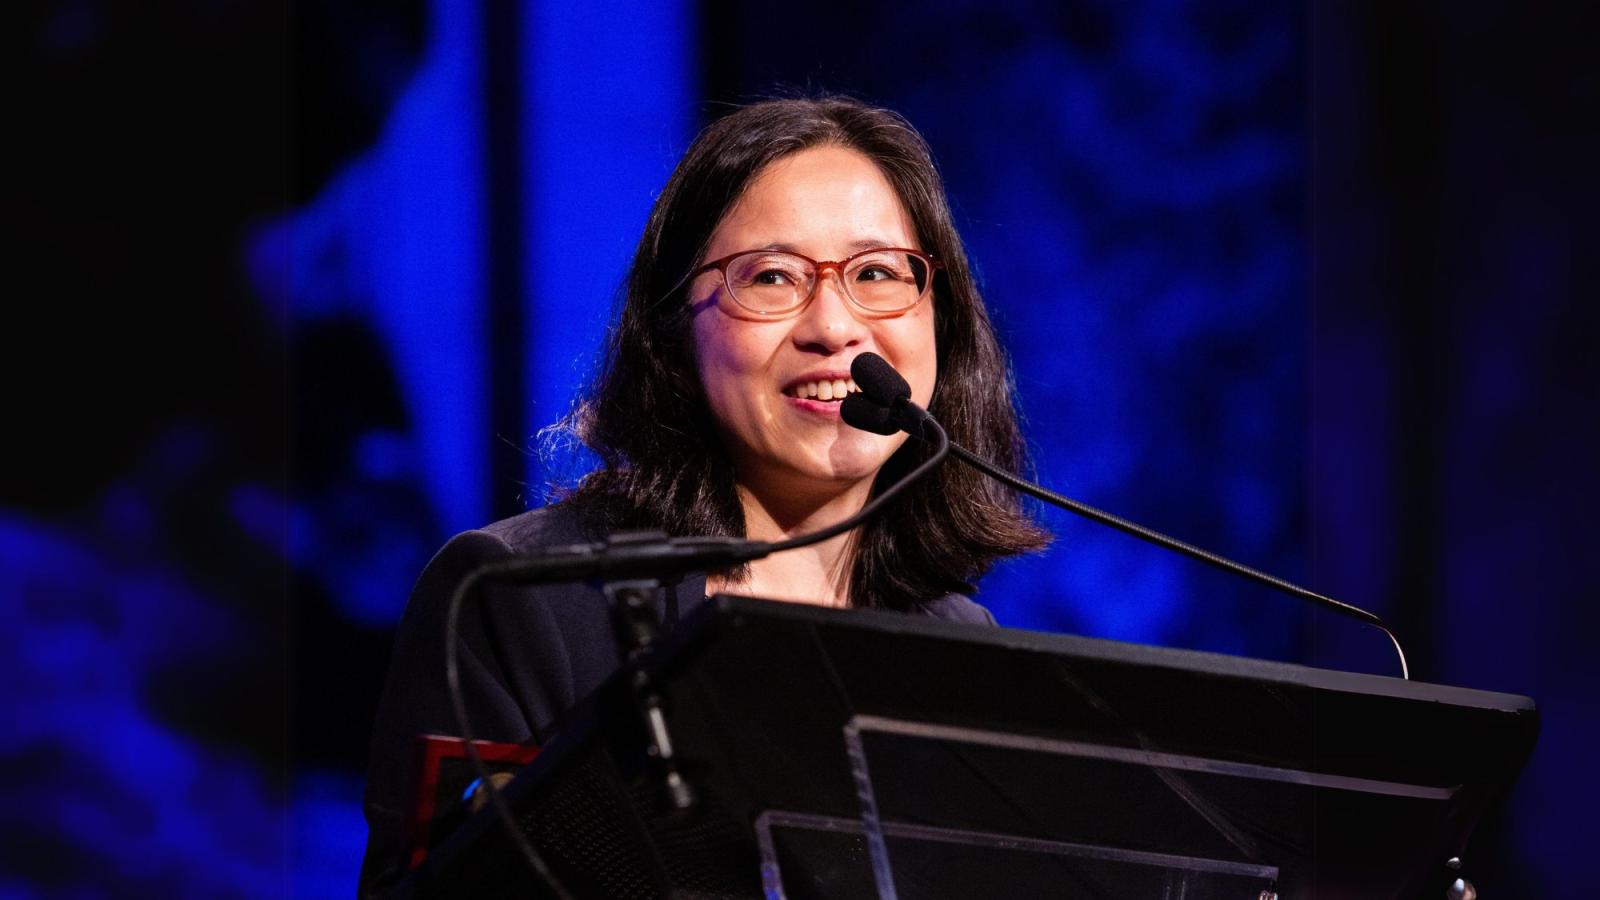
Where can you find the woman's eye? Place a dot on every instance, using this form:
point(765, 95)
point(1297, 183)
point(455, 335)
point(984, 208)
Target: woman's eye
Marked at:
point(773, 276)
point(874, 273)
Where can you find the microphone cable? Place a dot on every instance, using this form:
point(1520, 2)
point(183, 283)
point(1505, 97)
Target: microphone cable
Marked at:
point(884, 406)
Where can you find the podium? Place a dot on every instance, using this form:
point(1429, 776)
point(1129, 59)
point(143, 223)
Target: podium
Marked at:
point(839, 754)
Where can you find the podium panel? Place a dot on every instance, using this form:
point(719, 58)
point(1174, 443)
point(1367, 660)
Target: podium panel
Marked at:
point(860, 754)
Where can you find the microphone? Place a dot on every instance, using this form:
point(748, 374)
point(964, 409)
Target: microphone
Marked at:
point(859, 412)
point(884, 406)
point(879, 380)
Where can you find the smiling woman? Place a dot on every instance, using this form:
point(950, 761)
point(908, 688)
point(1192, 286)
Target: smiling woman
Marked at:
point(794, 236)
point(823, 179)
point(774, 383)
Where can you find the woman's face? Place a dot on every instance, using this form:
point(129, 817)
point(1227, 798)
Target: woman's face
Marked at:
point(825, 203)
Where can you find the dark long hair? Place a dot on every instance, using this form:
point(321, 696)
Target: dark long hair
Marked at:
point(646, 416)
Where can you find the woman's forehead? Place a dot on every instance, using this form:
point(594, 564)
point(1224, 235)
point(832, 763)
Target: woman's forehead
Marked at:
point(822, 199)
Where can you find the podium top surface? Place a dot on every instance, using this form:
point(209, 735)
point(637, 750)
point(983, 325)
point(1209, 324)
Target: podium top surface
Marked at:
point(721, 607)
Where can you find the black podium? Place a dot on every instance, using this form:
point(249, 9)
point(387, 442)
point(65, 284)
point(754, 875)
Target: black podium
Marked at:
point(858, 754)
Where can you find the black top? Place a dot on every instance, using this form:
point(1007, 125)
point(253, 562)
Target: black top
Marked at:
point(529, 654)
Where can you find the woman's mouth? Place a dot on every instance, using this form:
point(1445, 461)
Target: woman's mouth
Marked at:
point(825, 390)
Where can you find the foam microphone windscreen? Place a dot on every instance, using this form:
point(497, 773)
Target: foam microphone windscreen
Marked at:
point(879, 381)
point(860, 412)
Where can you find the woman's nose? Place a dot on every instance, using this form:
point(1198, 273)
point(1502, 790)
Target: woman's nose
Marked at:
point(829, 322)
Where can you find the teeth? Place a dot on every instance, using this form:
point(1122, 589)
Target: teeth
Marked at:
point(824, 390)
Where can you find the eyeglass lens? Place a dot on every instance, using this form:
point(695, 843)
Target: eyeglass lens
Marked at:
point(880, 281)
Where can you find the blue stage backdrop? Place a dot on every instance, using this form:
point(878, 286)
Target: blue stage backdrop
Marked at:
point(1303, 284)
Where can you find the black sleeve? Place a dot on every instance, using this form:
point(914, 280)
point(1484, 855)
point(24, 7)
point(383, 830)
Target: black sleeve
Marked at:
point(514, 679)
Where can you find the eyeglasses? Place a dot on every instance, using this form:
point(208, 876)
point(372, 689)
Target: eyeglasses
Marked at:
point(881, 281)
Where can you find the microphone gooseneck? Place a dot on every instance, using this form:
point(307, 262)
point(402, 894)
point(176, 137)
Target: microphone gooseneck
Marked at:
point(883, 405)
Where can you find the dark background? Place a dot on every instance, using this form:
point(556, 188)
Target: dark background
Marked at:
point(292, 290)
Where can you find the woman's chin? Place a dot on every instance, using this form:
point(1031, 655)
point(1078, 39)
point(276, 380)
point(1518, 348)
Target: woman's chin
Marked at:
point(817, 464)
point(854, 458)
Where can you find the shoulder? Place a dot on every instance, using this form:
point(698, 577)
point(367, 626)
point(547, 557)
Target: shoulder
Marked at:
point(958, 608)
point(504, 624)
point(549, 526)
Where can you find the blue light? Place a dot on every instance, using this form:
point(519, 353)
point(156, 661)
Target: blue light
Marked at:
point(611, 106)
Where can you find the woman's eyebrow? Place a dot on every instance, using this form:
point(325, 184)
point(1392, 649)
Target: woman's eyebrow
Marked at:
point(860, 244)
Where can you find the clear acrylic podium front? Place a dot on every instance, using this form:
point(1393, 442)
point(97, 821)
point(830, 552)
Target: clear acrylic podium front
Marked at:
point(849, 754)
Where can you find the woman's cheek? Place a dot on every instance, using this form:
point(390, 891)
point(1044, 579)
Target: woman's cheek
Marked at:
point(731, 368)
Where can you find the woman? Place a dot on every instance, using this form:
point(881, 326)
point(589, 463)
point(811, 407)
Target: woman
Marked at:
point(793, 236)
